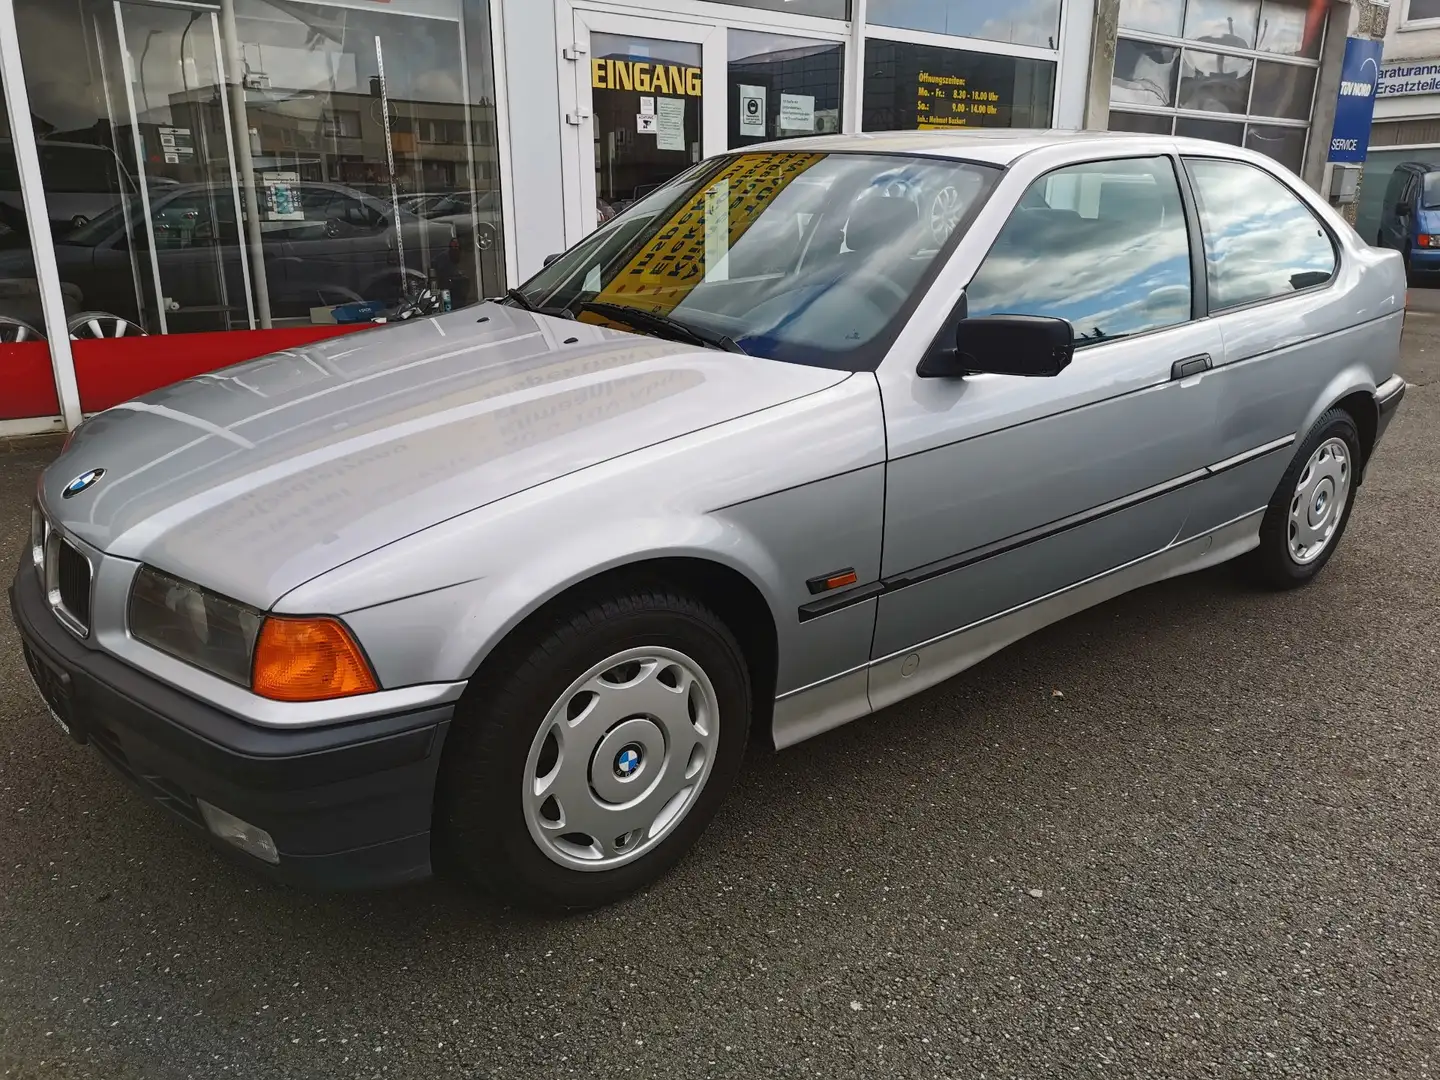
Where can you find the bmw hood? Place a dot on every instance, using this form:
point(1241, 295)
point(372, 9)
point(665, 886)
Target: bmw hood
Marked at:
point(254, 479)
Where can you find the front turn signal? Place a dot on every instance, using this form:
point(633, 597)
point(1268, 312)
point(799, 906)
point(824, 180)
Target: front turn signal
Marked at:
point(309, 660)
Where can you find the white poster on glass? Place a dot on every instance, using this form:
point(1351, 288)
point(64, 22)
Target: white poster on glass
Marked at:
point(670, 131)
point(797, 112)
point(752, 110)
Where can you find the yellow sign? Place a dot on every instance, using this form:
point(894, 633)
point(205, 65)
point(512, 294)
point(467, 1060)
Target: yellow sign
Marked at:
point(645, 76)
point(661, 274)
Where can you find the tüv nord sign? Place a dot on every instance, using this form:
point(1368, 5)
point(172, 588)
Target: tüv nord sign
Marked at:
point(1355, 103)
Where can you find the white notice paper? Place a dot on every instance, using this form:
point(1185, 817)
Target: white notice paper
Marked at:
point(645, 123)
point(670, 132)
point(647, 106)
point(752, 110)
point(797, 112)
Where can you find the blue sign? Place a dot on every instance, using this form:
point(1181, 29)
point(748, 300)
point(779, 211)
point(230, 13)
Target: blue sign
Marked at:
point(1355, 104)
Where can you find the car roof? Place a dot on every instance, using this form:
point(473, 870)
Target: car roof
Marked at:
point(991, 146)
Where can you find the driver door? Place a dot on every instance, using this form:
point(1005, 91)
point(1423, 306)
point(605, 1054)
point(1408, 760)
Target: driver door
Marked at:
point(1002, 491)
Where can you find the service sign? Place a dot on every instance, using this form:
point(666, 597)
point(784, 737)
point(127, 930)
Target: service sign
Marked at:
point(1355, 103)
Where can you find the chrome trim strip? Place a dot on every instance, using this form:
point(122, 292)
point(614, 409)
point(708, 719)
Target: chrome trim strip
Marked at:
point(1250, 455)
point(822, 682)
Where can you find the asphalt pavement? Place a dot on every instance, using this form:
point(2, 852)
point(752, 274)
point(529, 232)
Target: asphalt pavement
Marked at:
point(1190, 833)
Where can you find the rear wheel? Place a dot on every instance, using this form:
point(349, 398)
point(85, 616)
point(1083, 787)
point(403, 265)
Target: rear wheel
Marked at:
point(1311, 507)
point(593, 750)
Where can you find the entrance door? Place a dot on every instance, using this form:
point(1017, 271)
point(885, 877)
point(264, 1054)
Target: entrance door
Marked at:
point(650, 103)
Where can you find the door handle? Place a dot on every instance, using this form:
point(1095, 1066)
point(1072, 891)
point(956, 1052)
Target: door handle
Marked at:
point(1193, 365)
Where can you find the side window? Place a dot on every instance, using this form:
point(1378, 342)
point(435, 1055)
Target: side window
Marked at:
point(1103, 245)
point(1261, 241)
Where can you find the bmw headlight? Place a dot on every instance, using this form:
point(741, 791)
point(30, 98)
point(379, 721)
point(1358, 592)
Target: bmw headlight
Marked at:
point(282, 657)
point(194, 625)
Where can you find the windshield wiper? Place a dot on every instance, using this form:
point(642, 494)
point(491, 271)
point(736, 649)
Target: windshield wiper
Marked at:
point(673, 328)
point(519, 299)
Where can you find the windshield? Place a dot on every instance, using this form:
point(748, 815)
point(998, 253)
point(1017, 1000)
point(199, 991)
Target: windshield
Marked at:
point(1430, 199)
point(804, 257)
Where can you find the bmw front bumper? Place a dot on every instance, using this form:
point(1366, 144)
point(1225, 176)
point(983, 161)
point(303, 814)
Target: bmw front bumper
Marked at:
point(347, 806)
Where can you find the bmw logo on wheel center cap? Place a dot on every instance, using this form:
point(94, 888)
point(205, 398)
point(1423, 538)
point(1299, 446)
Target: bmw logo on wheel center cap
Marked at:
point(627, 762)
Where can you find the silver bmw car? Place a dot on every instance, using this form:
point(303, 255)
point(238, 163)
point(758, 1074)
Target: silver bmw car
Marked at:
point(809, 429)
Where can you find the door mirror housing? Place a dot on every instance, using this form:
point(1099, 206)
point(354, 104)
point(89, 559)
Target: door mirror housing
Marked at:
point(1030, 346)
point(552, 257)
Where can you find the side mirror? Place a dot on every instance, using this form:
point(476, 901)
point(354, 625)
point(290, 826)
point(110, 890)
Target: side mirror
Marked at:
point(1025, 345)
point(552, 257)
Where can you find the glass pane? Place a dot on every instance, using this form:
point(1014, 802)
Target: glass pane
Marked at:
point(1260, 239)
point(1102, 245)
point(828, 9)
point(1292, 27)
point(1152, 16)
point(27, 383)
point(1423, 9)
point(154, 159)
point(1145, 74)
point(1215, 130)
point(1143, 123)
point(911, 86)
point(1223, 22)
point(781, 87)
point(1283, 90)
point(1034, 23)
point(193, 205)
point(810, 258)
point(1285, 144)
point(1214, 82)
point(646, 97)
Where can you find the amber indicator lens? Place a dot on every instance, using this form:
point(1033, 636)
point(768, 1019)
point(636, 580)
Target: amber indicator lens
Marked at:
point(309, 660)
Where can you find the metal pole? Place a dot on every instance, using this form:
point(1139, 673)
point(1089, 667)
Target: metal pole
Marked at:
point(390, 163)
point(37, 218)
point(235, 80)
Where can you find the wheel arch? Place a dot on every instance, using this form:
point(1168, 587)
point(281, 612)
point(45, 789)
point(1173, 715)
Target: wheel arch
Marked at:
point(733, 596)
point(1353, 391)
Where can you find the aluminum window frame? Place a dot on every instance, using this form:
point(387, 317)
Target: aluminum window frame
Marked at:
point(1249, 118)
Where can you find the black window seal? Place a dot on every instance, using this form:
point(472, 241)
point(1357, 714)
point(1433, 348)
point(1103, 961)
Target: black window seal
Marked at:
point(1199, 275)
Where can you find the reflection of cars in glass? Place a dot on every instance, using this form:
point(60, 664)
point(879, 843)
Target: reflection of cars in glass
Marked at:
point(527, 578)
point(475, 216)
point(339, 246)
point(82, 181)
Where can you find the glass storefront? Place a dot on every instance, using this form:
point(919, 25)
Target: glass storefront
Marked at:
point(1019, 22)
point(27, 383)
point(933, 88)
point(782, 87)
point(262, 165)
point(1236, 71)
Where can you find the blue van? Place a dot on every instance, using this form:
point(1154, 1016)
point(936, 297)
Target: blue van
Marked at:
point(1410, 218)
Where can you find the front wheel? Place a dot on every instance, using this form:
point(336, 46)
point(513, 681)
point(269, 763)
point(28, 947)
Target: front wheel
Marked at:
point(593, 750)
point(1311, 507)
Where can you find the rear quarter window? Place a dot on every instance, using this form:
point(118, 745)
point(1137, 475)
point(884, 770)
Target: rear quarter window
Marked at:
point(1261, 241)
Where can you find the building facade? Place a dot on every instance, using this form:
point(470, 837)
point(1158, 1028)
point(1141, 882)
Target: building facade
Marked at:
point(189, 183)
point(1407, 109)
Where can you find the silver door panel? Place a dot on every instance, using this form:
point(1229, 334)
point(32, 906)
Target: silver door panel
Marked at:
point(1249, 484)
point(896, 677)
point(986, 588)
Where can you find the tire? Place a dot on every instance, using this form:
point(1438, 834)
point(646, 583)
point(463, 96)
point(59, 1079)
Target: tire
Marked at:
point(531, 726)
point(1284, 559)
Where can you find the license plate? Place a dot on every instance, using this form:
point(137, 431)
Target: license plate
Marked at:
point(50, 684)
